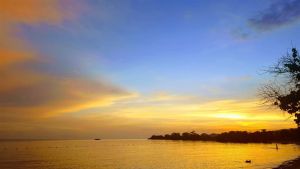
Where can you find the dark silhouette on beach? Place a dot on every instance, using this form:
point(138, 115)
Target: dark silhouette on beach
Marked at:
point(263, 136)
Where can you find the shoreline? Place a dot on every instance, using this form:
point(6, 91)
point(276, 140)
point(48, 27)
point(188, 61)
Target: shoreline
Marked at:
point(238, 142)
point(290, 164)
point(276, 136)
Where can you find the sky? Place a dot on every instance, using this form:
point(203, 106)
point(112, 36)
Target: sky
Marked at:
point(133, 68)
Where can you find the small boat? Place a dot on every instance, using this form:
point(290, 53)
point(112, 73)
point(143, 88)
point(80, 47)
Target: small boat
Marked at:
point(248, 161)
point(97, 139)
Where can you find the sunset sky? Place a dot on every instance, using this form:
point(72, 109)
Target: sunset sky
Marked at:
point(133, 68)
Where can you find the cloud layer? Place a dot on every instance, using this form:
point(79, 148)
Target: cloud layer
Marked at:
point(279, 14)
point(27, 91)
point(37, 103)
point(142, 116)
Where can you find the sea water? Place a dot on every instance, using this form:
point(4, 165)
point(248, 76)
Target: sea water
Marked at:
point(141, 154)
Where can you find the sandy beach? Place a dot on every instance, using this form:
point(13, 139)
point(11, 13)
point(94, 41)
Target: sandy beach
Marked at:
point(292, 164)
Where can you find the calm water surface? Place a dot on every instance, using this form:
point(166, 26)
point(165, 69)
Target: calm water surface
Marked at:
point(140, 154)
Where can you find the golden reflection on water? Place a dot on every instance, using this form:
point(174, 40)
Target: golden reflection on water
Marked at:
point(140, 154)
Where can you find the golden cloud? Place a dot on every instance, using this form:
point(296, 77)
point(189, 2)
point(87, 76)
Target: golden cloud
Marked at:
point(135, 119)
point(188, 115)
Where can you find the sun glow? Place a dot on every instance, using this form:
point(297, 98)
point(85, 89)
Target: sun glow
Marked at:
point(230, 116)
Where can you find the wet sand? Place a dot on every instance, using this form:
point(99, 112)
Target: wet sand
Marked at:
point(292, 164)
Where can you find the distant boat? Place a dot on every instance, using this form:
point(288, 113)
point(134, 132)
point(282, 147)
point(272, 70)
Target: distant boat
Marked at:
point(97, 139)
point(248, 161)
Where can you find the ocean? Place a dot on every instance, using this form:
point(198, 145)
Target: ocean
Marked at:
point(141, 154)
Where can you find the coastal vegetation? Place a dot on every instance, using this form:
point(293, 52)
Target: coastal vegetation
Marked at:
point(263, 136)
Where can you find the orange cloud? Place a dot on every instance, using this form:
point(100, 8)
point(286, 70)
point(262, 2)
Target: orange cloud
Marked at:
point(32, 11)
point(27, 91)
point(13, 12)
point(9, 57)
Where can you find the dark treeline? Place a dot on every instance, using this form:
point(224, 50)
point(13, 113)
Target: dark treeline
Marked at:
point(263, 136)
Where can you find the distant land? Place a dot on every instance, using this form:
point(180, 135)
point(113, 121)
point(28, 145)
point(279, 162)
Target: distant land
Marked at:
point(277, 136)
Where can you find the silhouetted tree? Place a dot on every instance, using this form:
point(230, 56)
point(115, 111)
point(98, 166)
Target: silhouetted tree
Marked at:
point(286, 93)
point(263, 136)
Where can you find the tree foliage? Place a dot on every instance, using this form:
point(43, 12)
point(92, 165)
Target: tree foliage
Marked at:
point(263, 136)
point(285, 94)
